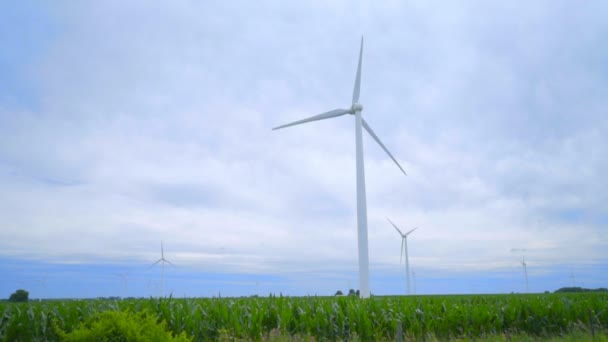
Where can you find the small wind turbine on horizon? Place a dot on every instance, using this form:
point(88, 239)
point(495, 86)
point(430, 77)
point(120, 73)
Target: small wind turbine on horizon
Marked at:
point(573, 279)
point(355, 109)
point(162, 261)
point(404, 251)
point(124, 281)
point(525, 266)
point(43, 282)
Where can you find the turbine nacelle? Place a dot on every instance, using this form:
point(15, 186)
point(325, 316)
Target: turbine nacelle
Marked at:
point(356, 107)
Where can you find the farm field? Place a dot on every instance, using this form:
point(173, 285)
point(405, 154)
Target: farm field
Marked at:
point(329, 318)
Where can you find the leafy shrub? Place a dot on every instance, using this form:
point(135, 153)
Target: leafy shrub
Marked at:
point(117, 326)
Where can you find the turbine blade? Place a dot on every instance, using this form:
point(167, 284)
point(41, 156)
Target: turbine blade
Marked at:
point(358, 77)
point(398, 230)
point(323, 116)
point(369, 130)
point(411, 231)
point(162, 251)
point(169, 262)
point(157, 261)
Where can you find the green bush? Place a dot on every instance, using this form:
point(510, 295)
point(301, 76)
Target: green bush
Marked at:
point(118, 326)
point(19, 296)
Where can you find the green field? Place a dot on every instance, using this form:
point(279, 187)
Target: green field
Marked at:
point(330, 318)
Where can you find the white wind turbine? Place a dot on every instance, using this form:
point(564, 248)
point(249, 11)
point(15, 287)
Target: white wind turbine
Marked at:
point(404, 251)
point(525, 266)
point(124, 281)
point(162, 262)
point(355, 109)
point(573, 279)
point(43, 282)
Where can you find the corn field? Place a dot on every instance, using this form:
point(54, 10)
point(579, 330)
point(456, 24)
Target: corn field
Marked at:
point(329, 318)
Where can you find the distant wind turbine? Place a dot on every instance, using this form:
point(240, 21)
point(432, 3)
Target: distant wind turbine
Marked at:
point(404, 251)
point(355, 109)
point(124, 281)
point(43, 282)
point(525, 266)
point(162, 262)
point(573, 279)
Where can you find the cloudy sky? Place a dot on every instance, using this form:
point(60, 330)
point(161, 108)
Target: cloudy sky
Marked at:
point(124, 124)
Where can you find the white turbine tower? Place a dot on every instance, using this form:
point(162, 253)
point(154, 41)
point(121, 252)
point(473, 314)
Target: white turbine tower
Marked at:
point(414, 280)
point(404, 251)
point(162, 261)
point(525, 266)
point(355, 109)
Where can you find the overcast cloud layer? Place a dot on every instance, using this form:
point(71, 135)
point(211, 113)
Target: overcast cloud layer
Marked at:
point(124, 124)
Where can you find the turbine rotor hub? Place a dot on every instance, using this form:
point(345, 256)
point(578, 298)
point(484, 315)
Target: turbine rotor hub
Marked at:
point(357, 107)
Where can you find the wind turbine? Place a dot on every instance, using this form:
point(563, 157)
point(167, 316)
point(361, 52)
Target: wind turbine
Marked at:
point(573, 279)
point(525, 266)
point(43, 286)
point(355, 109)
point(124, 280)
point(162, 262)
point(404, 251)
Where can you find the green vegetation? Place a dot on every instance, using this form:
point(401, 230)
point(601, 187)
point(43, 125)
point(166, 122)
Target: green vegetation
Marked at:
point(560, 316)
point(19, 296)
point(121, 326)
